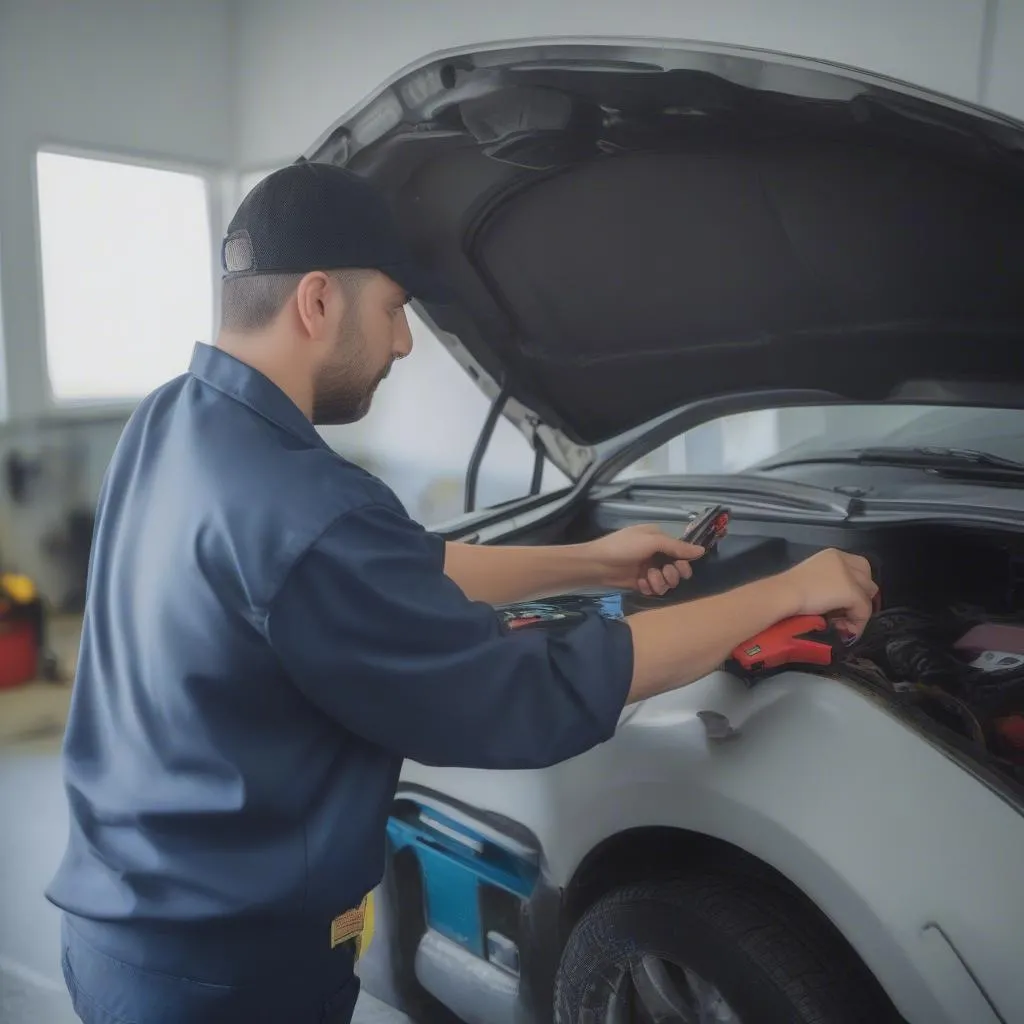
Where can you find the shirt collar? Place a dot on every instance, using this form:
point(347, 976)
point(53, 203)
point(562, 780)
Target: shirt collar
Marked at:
point(238, 380)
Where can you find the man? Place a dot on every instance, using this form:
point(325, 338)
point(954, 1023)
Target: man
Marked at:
point(268, 635)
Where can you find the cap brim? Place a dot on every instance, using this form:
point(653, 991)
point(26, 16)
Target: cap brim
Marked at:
point(419, 283)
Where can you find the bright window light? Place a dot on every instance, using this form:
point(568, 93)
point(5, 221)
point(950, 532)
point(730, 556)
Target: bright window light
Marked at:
point(127, 275)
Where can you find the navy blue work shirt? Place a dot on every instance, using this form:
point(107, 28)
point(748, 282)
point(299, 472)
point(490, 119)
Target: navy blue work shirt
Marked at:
point(267, 635)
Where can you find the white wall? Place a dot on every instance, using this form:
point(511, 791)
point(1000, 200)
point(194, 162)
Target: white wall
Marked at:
point(129, 77)
point(145, 78)
point(303, 64)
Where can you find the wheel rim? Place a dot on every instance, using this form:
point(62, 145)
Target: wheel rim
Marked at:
point(650, 990)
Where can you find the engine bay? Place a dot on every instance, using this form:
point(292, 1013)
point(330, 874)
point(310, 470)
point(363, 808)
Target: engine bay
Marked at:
point(962, 667)
point(947, 645)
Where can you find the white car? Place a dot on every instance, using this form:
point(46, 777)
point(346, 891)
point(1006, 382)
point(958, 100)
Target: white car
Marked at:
point(641, 239)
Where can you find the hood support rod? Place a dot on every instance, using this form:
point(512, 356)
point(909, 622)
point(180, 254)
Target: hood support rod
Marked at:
point(480, 448)
point(538, 467)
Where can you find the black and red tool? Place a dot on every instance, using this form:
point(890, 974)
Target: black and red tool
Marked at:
point(706, 528)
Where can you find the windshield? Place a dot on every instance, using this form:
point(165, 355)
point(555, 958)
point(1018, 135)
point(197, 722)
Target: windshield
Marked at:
point(742, 442)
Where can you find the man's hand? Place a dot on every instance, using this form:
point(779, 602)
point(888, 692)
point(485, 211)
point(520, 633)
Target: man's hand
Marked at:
point(625, 559)
point(837, 584)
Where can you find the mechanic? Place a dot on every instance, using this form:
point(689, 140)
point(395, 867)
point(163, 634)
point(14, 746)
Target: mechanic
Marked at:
point(268, 634)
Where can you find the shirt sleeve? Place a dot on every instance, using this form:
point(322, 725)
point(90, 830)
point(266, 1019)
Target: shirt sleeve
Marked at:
point(372, 631)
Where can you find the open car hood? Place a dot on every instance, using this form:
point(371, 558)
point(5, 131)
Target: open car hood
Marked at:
point(628, 228)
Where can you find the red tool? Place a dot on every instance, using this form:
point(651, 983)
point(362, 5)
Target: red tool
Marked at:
point(802, 640)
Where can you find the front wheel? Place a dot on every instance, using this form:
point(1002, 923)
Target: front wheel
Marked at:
point(711, 950)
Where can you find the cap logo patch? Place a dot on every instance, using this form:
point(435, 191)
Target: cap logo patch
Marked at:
point(237, 253)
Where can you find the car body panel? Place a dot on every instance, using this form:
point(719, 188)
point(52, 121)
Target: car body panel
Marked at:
point(886, 833)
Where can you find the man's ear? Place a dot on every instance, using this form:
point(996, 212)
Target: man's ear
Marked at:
point(313, 299)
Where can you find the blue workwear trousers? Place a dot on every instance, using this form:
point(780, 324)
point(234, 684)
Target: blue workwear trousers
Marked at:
point(108, 990)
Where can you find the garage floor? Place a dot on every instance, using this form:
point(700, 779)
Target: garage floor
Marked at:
point(33, 829)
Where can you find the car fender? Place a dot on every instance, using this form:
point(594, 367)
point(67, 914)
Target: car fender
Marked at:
point(912, 857)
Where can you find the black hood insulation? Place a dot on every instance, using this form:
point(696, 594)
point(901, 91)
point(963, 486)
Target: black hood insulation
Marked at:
point(623, 243)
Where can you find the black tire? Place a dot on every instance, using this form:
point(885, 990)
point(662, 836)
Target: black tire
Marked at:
point(768, 956)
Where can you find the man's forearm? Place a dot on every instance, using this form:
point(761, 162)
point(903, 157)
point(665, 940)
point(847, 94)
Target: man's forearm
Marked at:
point(676, 645)
point(503, 575)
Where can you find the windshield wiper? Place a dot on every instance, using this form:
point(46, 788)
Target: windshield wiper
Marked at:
point(950, 462)
point(947, 461)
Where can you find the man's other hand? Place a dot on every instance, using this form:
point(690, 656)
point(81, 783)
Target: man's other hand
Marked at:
point(632, 559)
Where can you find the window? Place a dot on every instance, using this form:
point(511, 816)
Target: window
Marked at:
point(127, 275)
point(725, 445)
point(738, 443)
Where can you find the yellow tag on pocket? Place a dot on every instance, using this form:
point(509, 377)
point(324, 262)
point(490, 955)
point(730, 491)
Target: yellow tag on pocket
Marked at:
point(347, 926)
point(354, 924)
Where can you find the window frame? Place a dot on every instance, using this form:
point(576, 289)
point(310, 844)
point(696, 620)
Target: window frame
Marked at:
point(218, 186)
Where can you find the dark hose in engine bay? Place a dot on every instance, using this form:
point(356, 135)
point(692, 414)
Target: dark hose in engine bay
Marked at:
point(959, 664)
point(963, 667)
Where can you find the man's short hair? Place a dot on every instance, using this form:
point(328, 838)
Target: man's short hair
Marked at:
point(252, 303)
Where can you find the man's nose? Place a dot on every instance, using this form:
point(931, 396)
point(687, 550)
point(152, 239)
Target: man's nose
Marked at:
point(403, 336)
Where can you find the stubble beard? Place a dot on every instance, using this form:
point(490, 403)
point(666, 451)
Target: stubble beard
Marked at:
point(343, 391)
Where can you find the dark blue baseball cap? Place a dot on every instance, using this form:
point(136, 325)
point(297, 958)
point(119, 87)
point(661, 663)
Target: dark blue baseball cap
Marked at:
point(314, 216)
